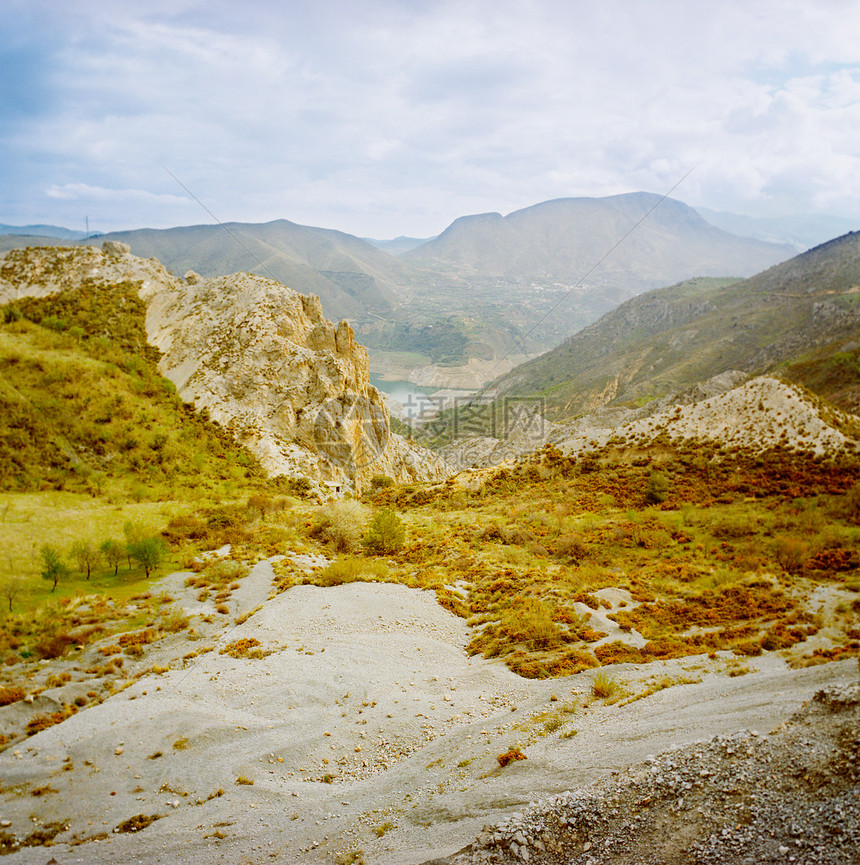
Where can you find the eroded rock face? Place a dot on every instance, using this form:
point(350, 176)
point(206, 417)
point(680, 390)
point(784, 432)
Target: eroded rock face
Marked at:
point(269, 366)
point(262, 358)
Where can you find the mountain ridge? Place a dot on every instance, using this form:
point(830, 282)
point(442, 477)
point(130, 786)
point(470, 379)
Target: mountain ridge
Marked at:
point(670, 338)
point(549, 239)
point(517, 284)
point(260, 358)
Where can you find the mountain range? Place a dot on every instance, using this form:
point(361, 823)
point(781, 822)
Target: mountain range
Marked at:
point(637, 239)
point(487, 288)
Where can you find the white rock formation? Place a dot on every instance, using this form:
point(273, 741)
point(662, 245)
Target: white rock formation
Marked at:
point(259, 356)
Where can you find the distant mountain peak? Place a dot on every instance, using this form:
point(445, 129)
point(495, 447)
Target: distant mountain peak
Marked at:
point(565, 237)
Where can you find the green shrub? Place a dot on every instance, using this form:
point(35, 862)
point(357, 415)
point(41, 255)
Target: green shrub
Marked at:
point(386, 533)
point(790, 552)
point(348, 569)
point(53, 323)
point(264, 504)
point(570, 547)
point(174, 620)
point(604, 687)
point(657, 488)
point(531, 622)
point(341, 524)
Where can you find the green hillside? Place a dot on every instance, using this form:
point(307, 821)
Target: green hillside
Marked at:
point(83, 406)
point(674, 337)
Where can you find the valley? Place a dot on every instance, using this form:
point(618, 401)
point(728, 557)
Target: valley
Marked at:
point(256, 624)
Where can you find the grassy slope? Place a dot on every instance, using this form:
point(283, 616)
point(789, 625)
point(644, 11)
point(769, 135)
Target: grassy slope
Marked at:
point(832, 373)
point(82, 405)
point(674, 337)
point(93, 438)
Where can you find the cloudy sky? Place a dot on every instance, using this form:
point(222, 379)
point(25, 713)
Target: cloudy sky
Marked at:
point(389, 117)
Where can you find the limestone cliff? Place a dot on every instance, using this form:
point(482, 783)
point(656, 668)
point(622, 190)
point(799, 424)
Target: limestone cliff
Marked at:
point(260, 357)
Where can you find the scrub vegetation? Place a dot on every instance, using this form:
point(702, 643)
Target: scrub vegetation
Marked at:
point(631, 554)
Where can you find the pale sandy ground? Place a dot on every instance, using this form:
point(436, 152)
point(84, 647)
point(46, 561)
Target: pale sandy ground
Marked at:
point(370, 684)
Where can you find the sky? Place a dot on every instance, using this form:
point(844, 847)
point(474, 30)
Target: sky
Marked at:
point(394, 117)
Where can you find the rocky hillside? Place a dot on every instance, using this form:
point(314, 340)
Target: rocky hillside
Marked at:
point(258, 356)
point(726, 412)
point(748, 797)
point(675, 337)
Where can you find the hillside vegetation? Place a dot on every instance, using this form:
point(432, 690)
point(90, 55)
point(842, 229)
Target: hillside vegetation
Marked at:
point(692, 551)
point(82, 404)
point(675, 337)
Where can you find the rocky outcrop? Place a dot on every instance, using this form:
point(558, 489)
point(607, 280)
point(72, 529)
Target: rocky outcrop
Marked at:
point(726, 411)
point(261, 358)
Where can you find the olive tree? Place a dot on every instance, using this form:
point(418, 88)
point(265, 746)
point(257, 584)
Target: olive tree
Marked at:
point(54, 568)
point(149, 553)
point(86, 554)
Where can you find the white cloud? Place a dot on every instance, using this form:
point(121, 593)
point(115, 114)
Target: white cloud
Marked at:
point(85, 193)
point(395, 116)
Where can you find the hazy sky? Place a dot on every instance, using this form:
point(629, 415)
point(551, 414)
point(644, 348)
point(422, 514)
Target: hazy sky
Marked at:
point(388, 117)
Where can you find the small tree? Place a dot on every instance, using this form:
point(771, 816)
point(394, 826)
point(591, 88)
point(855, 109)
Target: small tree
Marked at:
point(11, 587)
point(113, 552)
point(657, 488)
point(53, 567)
point(148, 553)
point(385, 534)
point(86, 555)
point(133, 533)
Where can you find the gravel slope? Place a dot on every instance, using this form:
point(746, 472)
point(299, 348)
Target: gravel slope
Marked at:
point(364, 726)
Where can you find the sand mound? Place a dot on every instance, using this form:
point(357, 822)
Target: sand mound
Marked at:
point(341, 719)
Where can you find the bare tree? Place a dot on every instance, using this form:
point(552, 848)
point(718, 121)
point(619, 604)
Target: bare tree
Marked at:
point(11, 588)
